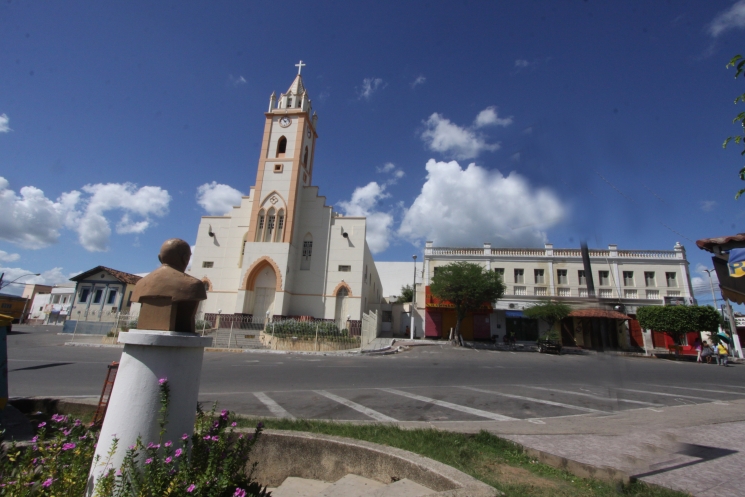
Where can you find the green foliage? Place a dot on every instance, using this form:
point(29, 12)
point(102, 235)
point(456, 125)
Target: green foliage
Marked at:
point(676, 320)
point(56, 464)
point(738, 62)
point(407, 294)
point(325, 331)
point(467, 286)
point(551, 313)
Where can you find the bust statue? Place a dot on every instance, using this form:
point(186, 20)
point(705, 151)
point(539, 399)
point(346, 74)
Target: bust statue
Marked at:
point(169, 298)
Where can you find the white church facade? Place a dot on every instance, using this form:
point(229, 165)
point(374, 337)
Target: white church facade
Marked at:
point(283, 252)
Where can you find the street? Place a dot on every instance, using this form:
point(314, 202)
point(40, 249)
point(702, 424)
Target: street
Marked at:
point(433, 383)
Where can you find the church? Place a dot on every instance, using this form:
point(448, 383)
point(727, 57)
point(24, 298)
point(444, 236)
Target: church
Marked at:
point(283, 252)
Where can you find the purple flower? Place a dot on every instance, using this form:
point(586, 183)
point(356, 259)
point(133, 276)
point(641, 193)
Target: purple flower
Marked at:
point(184, 436)
point(215, 438)
point(47, 483)
point(35, 439)
point(178, 453)
point(168, 443)
point(260, 425)
point(68, 446)
point(239, 492)
point(169, 459)
point(240, 436)
point(148, 460)
point(191, 488)
point(207, 437)
point(132, 447)
point(58, 418)
point(42, 424)
point(77, 422)
point(162, 381)
point(67, 432)
point(233, 424)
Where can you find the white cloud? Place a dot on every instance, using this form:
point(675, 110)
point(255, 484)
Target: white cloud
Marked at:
point(6, 257)
point(458, 207)
point(379, 224)
point(521, 63)
point(370, 86)
point(732, 18)
point(34, 221)
point(441, 135)
point(708, 205)
point(394, 172)
point(53, 276)
point(420, 80)
point(240, 80)
point(218, 199)
point(702, 286)
point(489, 117)
point(4, 121)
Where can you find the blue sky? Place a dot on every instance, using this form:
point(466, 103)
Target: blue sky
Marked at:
point(462, 122)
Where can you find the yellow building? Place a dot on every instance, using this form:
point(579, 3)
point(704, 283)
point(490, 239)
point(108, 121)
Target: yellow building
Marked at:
point(12, 305)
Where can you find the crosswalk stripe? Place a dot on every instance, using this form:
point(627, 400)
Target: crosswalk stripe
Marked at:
point(597, 397)
point(455, 407)
point(667, 394)
point(275, 408)
point(697, 389)
point(357, 407)
point(539, 401)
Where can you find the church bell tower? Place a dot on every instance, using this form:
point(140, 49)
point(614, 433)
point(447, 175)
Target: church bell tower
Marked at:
point(285, 163)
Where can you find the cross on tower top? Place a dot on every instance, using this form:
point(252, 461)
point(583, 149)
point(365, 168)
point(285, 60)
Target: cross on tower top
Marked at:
point(300, 67)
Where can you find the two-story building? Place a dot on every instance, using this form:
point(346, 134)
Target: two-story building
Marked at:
point(623, 279)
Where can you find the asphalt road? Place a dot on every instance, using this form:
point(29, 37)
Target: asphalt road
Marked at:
point(432, 383)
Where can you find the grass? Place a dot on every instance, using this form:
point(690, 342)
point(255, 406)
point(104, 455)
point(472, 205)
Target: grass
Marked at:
point(495, 461)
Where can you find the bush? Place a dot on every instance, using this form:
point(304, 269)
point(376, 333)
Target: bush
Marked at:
point(326, 330)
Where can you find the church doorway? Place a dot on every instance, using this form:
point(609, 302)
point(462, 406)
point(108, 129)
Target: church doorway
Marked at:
point(264, 292)
point(340, 316)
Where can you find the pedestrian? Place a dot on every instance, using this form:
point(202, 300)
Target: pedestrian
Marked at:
point(698, 346)
point(708, 352)
point(723, 351)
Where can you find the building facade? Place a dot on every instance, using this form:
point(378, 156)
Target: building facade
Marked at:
point(283, 251)
point(53, 307)
point(624, 280)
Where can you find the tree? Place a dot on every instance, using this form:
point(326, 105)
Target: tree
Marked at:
point(738, 62)
point(550, 313)
point(677, 320)
point(407, 295)
point(467, 287)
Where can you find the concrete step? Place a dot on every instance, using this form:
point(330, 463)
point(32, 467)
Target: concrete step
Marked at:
point(300, 487)
point(401, 488)
point(352, 486)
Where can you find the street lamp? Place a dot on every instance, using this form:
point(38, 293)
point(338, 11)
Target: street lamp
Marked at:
point(711, 284)
point(413, 300)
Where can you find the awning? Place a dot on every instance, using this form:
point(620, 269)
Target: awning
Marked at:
point(597, 313)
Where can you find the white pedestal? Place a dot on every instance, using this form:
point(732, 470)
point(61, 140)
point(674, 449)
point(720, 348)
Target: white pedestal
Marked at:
point(134, 406)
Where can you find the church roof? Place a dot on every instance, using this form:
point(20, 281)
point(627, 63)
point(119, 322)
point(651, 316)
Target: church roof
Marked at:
point(297, 87)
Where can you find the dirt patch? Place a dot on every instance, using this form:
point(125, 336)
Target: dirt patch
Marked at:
point(513, 475)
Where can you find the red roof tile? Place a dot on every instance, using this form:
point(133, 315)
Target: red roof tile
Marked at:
point(737, 240)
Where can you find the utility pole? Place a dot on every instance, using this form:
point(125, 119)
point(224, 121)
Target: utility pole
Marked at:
point(711, 284)
point(413, 300)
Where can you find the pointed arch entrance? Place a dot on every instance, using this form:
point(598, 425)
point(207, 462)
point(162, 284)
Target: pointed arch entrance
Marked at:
point(262, 284)
point(342, 301)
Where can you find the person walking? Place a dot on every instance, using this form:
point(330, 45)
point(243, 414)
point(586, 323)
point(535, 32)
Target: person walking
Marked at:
point(709, 352)
point(723, 351)
point(698, 347)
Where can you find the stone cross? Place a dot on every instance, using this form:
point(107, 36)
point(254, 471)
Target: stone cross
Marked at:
point(300, 67)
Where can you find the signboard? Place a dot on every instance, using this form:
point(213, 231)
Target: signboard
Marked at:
point(675, 301)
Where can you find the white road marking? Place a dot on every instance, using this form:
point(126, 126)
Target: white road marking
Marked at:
point(668, 394)
point(697, 389)
point(598, 397)
point(455, 407)
point(275, 408)
point(538, 401)
point(377, 416)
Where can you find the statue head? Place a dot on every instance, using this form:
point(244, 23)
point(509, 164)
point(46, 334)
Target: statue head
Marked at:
point(175, 253)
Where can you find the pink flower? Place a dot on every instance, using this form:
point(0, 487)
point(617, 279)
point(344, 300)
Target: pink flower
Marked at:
point(68, 446)
point(47, 483)
point(184, 436)
point(58, 418)
point(169, 459)
point(239, 492)
point(233, 424)
point(35, 439)
point(178, 453)
point(149, 460)
point(207, 437)
point(215, 438)
point(162, 380)
point(42, 424)
point(168, 443)
point(191, 488)
point(132, 447)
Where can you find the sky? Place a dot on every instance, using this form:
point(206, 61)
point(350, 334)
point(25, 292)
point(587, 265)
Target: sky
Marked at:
point(516, 123)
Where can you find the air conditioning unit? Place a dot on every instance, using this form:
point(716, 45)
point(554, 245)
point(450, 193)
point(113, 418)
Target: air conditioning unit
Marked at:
point(512, 306)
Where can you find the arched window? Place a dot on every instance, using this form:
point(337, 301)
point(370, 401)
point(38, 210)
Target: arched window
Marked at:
point(270, 220)
point(260, 225)
point(305, 157)
point(289, 102)
point(281, 146)
point(307, 252)
point(280, 225)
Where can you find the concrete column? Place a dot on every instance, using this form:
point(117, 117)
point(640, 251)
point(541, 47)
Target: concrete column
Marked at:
point(135, 399)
